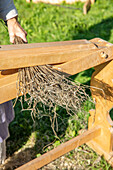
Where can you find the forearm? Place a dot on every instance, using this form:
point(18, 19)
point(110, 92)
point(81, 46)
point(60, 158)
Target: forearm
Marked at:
point(7, 9)
point(9, 13)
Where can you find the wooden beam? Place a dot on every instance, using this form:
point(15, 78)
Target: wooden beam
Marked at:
point(8, 90)
point(24, 55)
point(61, 149)
point(87, 61)
point(83, 59)
point(100, 42)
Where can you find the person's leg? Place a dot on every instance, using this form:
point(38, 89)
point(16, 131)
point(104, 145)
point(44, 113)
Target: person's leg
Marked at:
point(2, 152)
point(6, 116)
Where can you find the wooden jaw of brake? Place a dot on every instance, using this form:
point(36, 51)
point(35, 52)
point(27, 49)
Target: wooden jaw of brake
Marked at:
point(71, 57)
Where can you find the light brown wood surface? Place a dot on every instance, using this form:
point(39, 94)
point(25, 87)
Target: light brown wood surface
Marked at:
point(102, 93)
point(24, 55)
point(85, 58)
point(8, 89)
point(61, 150)
point(18, 56)
point(97, 148)
point(86, 61)
point(102, 81)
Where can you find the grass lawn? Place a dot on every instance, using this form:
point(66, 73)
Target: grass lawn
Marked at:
point(47, 23)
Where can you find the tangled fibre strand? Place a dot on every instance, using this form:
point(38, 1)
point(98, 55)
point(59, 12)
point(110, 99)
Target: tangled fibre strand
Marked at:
point(48, 87)
point(43, 84)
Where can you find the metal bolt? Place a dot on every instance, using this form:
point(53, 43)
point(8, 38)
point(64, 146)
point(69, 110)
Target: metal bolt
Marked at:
point(104, 55)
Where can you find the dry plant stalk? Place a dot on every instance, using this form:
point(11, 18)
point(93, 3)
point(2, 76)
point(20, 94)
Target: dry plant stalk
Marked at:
point(45, 85)
point(48, 86)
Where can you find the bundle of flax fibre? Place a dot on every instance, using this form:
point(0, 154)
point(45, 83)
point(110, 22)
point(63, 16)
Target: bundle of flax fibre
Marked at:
point(50, 87)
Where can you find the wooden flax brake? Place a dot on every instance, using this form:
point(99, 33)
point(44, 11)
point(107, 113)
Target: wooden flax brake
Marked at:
point(71, 57)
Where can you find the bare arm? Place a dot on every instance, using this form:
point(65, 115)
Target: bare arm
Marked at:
point(9, 13)
point(15, 29)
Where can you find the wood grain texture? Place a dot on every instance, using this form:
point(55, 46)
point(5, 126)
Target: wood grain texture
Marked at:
point(8, 88)
point(97, 148)
point(102, 93)
point(24, 55)
point(81, 59)
point(86, 61)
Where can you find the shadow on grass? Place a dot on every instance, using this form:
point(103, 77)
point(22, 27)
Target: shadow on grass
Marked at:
point(101, 30)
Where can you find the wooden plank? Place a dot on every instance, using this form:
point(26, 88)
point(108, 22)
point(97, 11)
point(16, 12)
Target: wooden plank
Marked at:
point(61, 149)
point(84, 59)
point(8, 78)
point(24, 55)
point(8, 88)
point(44, 45)
point(8, 81)
point(100, 42)
point(87, 61)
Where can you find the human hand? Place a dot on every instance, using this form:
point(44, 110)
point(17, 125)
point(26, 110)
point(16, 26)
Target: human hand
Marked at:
point(15, 29)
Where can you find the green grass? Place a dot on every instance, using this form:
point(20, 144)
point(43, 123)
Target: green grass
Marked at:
point(46, 23)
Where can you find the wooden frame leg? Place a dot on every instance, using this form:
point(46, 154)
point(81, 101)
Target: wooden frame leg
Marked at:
point(102, 93)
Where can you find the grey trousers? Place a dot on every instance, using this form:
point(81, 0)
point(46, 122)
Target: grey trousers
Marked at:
point(2, 151)
point(6, 116)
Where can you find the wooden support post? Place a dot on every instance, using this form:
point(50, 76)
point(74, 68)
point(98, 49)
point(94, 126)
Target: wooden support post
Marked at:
point(102, 93)
point(62, 149)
